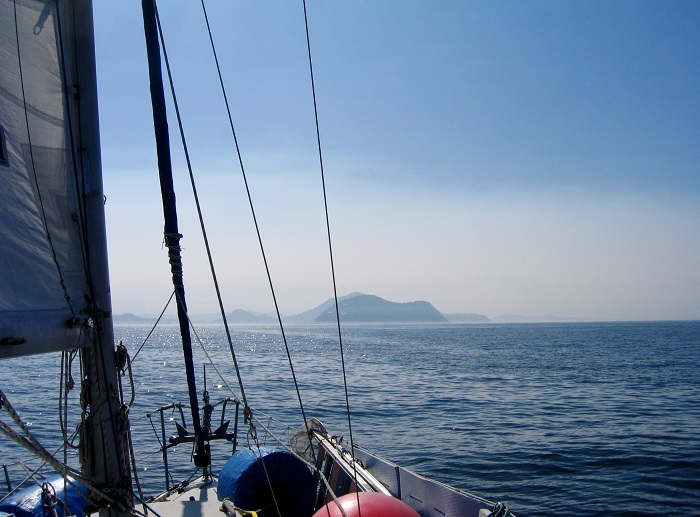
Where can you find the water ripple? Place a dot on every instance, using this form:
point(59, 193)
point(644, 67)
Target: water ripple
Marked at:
point(556, 419)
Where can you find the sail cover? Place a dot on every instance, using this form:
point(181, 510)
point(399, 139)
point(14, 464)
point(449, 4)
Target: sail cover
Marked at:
point(43, 279)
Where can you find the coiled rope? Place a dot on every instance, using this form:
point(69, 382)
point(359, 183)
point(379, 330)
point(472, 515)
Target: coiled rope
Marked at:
point(500, 510)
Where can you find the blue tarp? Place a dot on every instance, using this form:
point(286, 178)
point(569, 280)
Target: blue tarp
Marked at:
point(28, 502)
point(244, 480)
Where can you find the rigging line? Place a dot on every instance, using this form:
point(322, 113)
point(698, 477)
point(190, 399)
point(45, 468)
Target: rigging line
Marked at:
point(146, 506)
point(63, 404)
point(245, 403)
point(128, 433)
point(155, 432)
point(252, 210)
point(252, 417)
point(135, 470)
point(65, 382)
point(71, 470)
point(154, 327)
point(313, 466)
point(211, 361)
point(30, 475)
point(33, 165)
point(169, 203)
point(328, 229)
point(48, 458)
point(63, 420)
point(7, 406)
point(199, 208)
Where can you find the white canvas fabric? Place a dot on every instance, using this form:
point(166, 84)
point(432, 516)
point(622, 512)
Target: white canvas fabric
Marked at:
point(43, 281)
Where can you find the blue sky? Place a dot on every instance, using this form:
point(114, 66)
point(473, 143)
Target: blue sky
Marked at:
point(535, 158)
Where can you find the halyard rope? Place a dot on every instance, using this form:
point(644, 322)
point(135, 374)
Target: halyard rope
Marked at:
point(330, 245)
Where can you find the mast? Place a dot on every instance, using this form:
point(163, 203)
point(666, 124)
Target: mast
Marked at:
point(55, 283)
point(105, 440)
point(171, 231)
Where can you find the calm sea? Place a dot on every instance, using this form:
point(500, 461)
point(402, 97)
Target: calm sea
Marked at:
point(555, 419)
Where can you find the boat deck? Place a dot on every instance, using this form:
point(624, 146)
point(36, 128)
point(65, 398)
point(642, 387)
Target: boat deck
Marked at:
point(198, 500)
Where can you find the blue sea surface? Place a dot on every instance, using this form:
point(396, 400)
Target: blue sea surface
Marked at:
point(555, 419)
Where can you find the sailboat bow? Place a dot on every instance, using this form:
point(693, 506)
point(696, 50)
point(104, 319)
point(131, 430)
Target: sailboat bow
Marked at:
point(56, 298)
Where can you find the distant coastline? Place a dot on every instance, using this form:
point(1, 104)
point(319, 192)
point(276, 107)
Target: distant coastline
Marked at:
point(354, 308)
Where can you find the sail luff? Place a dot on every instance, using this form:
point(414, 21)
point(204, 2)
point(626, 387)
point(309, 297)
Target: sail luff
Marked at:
point(43, 275)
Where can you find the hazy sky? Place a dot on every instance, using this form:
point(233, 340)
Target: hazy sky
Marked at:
point(534, 157)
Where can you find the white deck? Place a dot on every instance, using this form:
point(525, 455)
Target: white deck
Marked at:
point(198, 500)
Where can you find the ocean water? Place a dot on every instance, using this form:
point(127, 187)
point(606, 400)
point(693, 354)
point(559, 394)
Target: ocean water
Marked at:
point(555, 419)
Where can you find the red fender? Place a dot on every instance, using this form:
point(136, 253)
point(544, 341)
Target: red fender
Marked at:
point(372, 504)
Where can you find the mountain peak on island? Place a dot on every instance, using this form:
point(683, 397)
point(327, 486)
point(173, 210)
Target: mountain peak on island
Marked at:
point(355, 307)
point(367, 308)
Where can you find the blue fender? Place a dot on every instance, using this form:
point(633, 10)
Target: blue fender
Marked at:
point(244, 480)
point(29, 501)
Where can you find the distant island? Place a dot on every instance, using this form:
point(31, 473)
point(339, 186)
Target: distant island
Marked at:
point(130, 319)
point(367, 308)
point(466, 318)
point(353, 308)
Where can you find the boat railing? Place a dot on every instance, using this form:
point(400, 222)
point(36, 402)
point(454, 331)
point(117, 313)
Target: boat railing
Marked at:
point(184, 435)
point(361, 470)
point(24, 473)
point(335, 463)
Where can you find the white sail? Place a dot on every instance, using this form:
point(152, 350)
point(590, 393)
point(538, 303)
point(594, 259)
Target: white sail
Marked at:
point(43, 279)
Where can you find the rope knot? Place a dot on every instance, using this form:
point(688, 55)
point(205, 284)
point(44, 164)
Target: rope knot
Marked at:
point(48, 498)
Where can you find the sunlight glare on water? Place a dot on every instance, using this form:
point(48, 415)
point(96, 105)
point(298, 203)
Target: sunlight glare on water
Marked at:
point(556, 419)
